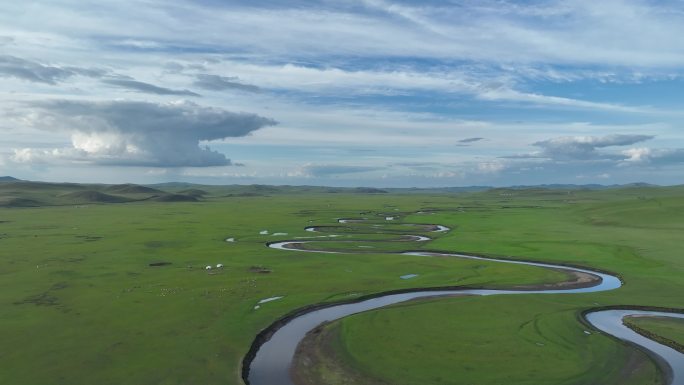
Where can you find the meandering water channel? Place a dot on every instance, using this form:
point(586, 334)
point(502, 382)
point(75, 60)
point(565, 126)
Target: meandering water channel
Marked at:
point(271, 358)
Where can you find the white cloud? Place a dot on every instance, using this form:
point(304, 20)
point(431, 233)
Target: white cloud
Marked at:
point(610, 32)
point(584, 147)
point(332, 81)
point(637, 154)
point(645, 155)
point(406, 80)
point(491, 167)
point(139, 133)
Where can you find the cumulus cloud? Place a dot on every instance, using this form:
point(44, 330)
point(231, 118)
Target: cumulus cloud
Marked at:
point(11, 66)
point(590, 158)
point(133, 133)
point(646, 155)
point(222, 83)
point(637, 155)
point(584, 147)
point(148, 88)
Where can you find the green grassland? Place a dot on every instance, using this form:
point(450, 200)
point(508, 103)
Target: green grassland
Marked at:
point(668, 331)
point(476, 340)
point(634, 232)
point(80, 303)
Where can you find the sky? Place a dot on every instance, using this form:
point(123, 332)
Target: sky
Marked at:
point(343, 93)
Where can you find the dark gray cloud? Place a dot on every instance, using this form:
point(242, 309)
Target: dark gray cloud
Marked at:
point(470, 140)
point(147, 134)
point(420, 166)
point(330, 169)
point(584, 147)
point(222, 83)
point(11, 66)
point(174, 67)
point(148, 88)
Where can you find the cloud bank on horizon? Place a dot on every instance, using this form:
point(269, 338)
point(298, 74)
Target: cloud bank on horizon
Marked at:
point(376, 92)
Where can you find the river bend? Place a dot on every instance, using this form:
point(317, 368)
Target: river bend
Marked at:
point(273, 358)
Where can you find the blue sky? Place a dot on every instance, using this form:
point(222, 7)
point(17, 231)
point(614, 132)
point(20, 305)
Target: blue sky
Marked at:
point(373, 92)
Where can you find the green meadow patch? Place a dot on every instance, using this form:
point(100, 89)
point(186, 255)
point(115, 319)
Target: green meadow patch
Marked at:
point(667, 331)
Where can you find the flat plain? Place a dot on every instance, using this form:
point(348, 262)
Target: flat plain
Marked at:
point(107, 290)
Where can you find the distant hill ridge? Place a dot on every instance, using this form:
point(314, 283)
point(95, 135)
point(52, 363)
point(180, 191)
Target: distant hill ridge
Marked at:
point(174, 198)
point(193, 192)
point(91, 196)
point(130, 188)
point(20, 193)
point(193, 188)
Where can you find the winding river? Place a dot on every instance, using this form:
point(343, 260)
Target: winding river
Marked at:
point(270, 364)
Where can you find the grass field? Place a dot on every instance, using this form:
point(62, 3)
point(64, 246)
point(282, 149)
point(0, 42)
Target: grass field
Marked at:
point(80, 303)
point(633, 232)
point(668, 331)
point(474, 340)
